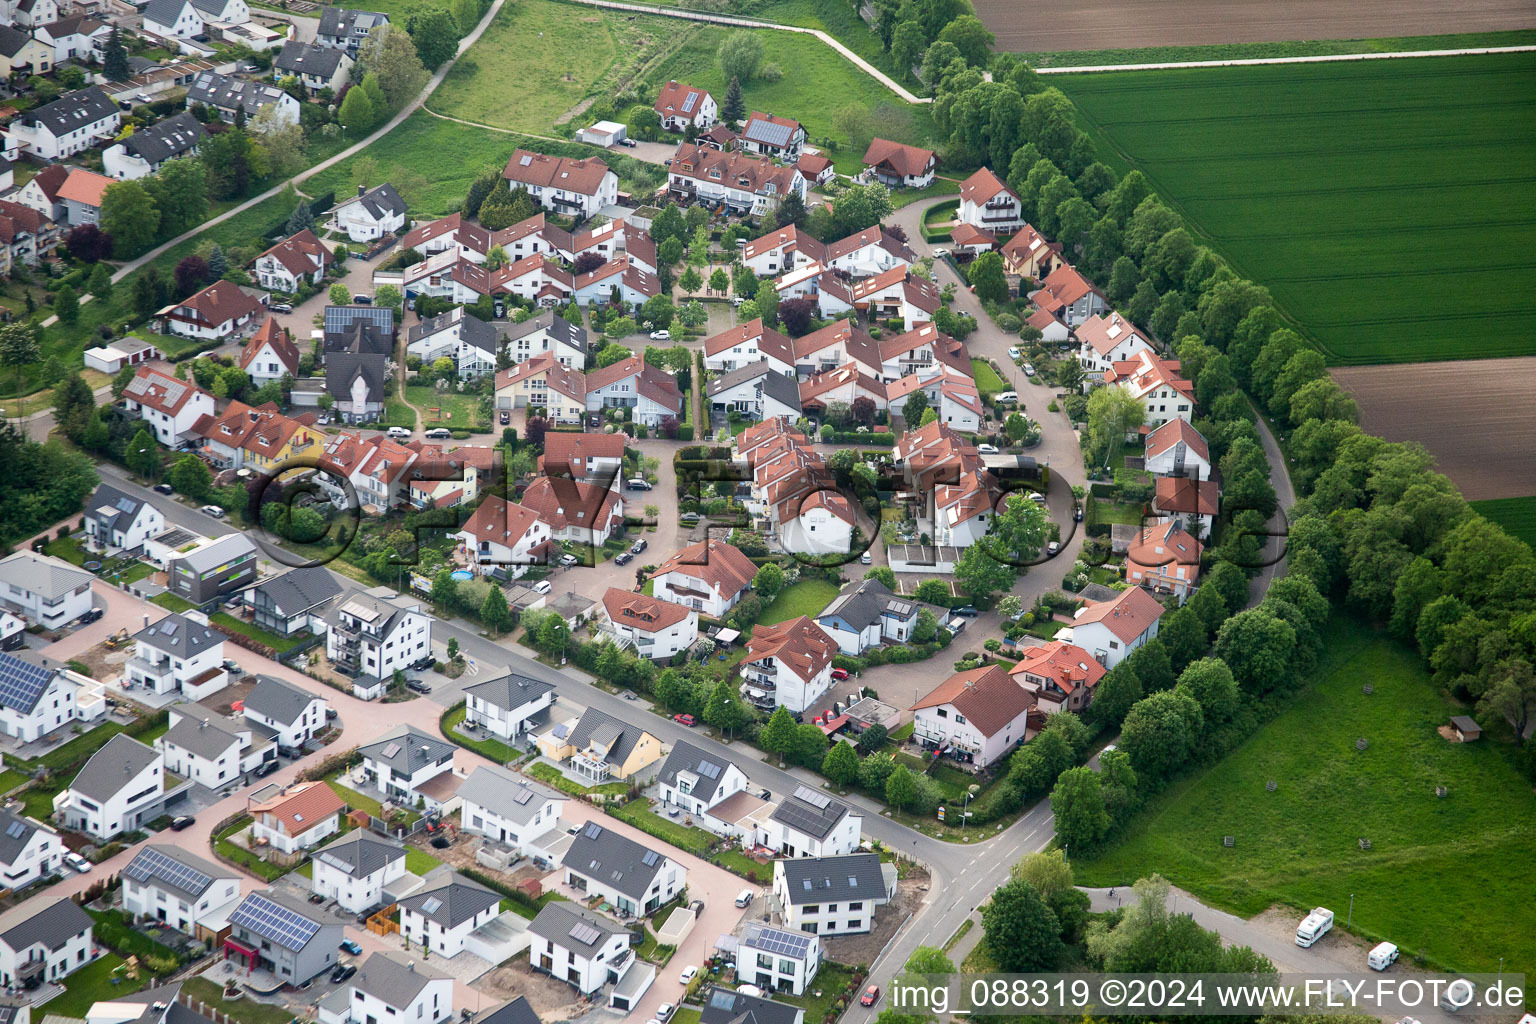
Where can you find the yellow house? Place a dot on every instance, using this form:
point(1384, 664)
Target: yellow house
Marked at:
point(543, 382)
point(601, 748)
point(21, 52)
point(279, 439)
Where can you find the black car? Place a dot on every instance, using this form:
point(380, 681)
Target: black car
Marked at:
point(165, 488)
point(91, 616)
point(267, 768)
point(506, 417)
point(638, 546)
point(341, 972)
point(182, 821)
point(417, 686)
point(422, 664)
point(623, 558)
point(1077, 514)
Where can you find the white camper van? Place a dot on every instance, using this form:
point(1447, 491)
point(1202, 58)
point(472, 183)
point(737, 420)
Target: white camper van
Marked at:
point(1382, 957)
point(1314, 927)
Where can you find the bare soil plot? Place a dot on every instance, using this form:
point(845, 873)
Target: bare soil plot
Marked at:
point(863, 949)
point(1476, 417)
point(1052, 25)
point(551, 998)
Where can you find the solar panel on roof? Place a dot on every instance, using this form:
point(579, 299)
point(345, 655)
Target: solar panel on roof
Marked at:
point(523, 795)
point(768, 133)
point(392, 750)
point(593, 830)
point(585, 933)
point(810, 796)
point(275, 922)
point(151, 863)
point(688, 103)
point(16, 830)
point(21, 682)
point(650, 858)
point(709, 769)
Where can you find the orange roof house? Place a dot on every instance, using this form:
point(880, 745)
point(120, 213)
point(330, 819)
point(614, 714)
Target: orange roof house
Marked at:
point(978, 715)
point(297, 818)
point(1060, 675)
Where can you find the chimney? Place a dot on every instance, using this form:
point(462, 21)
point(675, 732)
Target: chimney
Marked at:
point(410, 965)
point(361, 189)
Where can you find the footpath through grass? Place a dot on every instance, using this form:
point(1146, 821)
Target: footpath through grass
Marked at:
point(1445, 877)
point(1315, 181)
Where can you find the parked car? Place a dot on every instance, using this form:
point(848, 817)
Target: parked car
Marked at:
point(77, 862)
point(638, 484)
point(871, 996)
point(939, 254)
point(689, 517)
point(687, 720)
point(744, 898)
point(665, 1011)
point(967, 611)
point(323, 421)
point(1077, 514)
point(267, 768)
point(1006, 397)
point(689, 973)
point(866, 558)
point(348, 946)
point(506, 417)
point(341, 972)
point(1038, 497)
point(638, 546)
point(661, 335)
point(438, 434)
point(423, 663)
point(542, 586)
point(417, 686)
point(232, 667)
point(90, 616)
point(362, 300)
point(165, 488)
point(398, 433)
point(623, 558)
point(1052, 548)
point(1014, 352)
point(839, 673)
point(568, 560)
point(282, 307)
point(1029, 370)
point(212, 510)
point(182, 821)
point(987, 449)
point(631, 143)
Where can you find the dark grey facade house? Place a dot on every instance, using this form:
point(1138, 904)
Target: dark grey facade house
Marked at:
point(359, 341)
point(207, 574)
point(277, 933)
point(288, 603)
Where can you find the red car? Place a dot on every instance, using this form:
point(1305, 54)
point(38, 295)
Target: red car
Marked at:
point(687, 720)
point(839, 673)
point(871, 996)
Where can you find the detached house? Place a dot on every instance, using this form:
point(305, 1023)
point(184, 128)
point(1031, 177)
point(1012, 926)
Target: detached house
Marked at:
point(505, 706)
point(587, 458)
point(504, 806)
point(117, 522)
point(1165, 559)
point(165, 883)
point(23, 52)
point(169, 406)
point(229, 95)
point(977, 717)
point(896, 165)
point(1111, 630)
point(697, 781)
point(682, 106)
point(1177, 449)
point(371, 214)
point(777, 137)
point(747, 185)
point(748, 344)
point(211, 750)
point(787, 665)
point(41, 696)
point(354, 870)
point(561, 184)
point(405, 762)
point(656, 629)
point(547, 331)
point(503, 535)
point(632, 877)
point(870, 615)
point(755, 390)
point(392, 986)
point(296, 259)
point(180, 652)
point(29, 850)
point(316, 67)
point(359, 346)
point(270, 354)
point(144, 152)
point(284, 713)
point(809, 823)
point(217, 311)
point(601, 747)
point(81, 196)
point(777, 959)
point(835, 895)
point(45, 589)
point(298, 818)
point(1156, 381)
point(275, 932)
point(1060, 676)
point(1067, 297)
point(1028, 255)
point(69, 125)
point(1192, 502)
point(1103, 341)
point(374, 633)
point(458, 335)
point(572, 943)
point(709, 577)
point(651, 394)
point(442, 917)
point(44, 942)
point(344, 29)
point(988, 204)
point(213, 570)
point(121, 787)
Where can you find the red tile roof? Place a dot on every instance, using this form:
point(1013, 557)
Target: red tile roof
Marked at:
point(270, 333)
point(1127, 616)
point(986, 696)
point(1105, 333)
point(769, 342)
point(1183, 496)
point(562, 503)
point(638, 611)
point(907, 161)
point(740, 170)
point(799, 644)
point(673, 101)
point(221, 302)
point(983, 186)
point(1171, 433)
point(84, 187)
point(970, 235)
point(304, 806)
point(497, 521)
point(566, 452)
point(583, 177)
point(1066, 665)
point(161, 391)
point(300, 254)
point(720, 565)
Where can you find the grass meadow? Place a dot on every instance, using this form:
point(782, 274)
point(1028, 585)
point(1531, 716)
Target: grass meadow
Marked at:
point(1443, 877)
point(1387, 205)
point(1516, 515)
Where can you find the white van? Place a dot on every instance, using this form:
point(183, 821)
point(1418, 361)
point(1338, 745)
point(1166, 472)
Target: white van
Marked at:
point(1315, 926)
point(744, 898)
point(1005, 397)
point(1382, 956)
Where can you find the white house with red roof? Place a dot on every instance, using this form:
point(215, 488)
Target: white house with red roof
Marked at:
point(1060, 676)
point(956, 400)
point(977, 717)
point(1111, 630)
point(896, 294)
point(538, 278)
point(1028, 254)
point(746, 184)
point(1177, 449)
point(1104, 340)
point(709, 577)
point(443, 477)
point(749, 343)
point(837, 344)
point(844, 384)
point(542, 382)
point(657, 629)
point(923, 350)
point(816, 168)
point(297, 818)
point(169, 406)
point(297, 258)
point(582, 513)
point(787, 665)
point(634, 284)
point(779, 137)
point(590, 458)
point(270, 353)
point(218, 311)
point(819, 522)
point(649, 393)
point(1195, 502)
point(989, 204)
point(897, 165)
point(781, 250)
point(967, 240)
point(867, 253)
point(1069, 296)
point(562, 184)
point(504, 536)
point(682, 106)
point(1164, 558)
point(1156, 381)
point(376, 467)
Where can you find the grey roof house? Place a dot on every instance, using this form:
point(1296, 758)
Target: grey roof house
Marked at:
point(317, 67)
point(344, 29)
point(283, 712)
point(406, 763)
point(833, 895)
point(43, 941)
point(275, 932)
point(511, 809)
point(187, 892)
point(442, 916)
point(509, 705)
point(145, 152)
point(116, 521)
point(725, 1006)
point(123, 785)
point(207, 573)
point(576, 945)
point(294, 600)
point(632, 877)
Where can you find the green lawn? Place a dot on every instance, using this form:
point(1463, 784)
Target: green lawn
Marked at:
point(1517, 515)
point(76, 750)
point(550, 775)
point(1297, 48)
point(246, 858)
point(10, 778)
point(91, 984)
point(808, 597)
point(171, 602)
point(241, 1011)
point(830, 982)
point(420, 862)
point(398, 413)
point(356, 800)
point(684, 837)
point(1443, 876)
point(987, 380)
point(1248, 154)
point(256, 633)
point(494, 749)
point(457, 411)
point(71, 549)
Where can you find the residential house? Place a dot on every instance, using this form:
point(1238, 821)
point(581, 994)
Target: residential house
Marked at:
point(870, 615)
point(377, 467)
point(44, 941)
point(698, 781)
point(748, 344)
point(923, 350)
point(1069, 297)
point(404, 763)
point(213, 570)
point(210, 749)
point(373, 213)
point(270, 354)
point(359, 347)
point(506, 706)
point(656, 629)
point(442, 477)
point(635, 285)
point(1028, 255)
point(756, 390)
point(24, 53)
point(650, 393)
point(229, 95)
point(25, 234)
point(169, 406)
point(518, 1011)
point(167, 884)
point(944, 473)
point(112, 356)
point(344, 29)
point(1156, 382)
point(29, 851)
point(41, 194)
point(782, 250)
point(116, 522)
point(868, 253)
point(539, 278)
point(896, 165)
point(1111, 630)
point(574, 944)
point(121, 787)
point(989, 204)
point(179, 652)
point(440, 917)
point(588, 458)
point(1165, 559)
point(78, 37)
point(777, 959)
point(509, 808)
point(600, 747)
point(393, 986)
point(833, 895)
point(503, 535)
point(788, 664)
point(682, 107)
point(41, 697)
point(746, 185)
point(283, 712)
point(562, 184)
point(1058, 675)
point(835, 345)
point(174, 19)
point(1103, 341)
point(809, 823)
point(297, 259)
point(144, 152)
point(81, 195)
point(770, 136)
point(262, 437)
point(298, 818)
point(31, 13)
point(1177, 449)
point(13, 632)
point(316, 67)
point(731, 1006)
point(635, 879)
point(956, 400)
point(354, 870)
point(217, 311)
point(374, 634)
point(968, 242)
point(709, 577)
point(275, 932)
point(817, 168)
point(70, 124)
point(458, 335)
point(47, 590)
point(543, 383)
point(547, 331)
point(1193, 502)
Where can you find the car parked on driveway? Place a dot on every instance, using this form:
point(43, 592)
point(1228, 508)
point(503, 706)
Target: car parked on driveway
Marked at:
point(417, 686)
point(623, 558)
point(568, 560)
point(638, 546)
point(967, 611)
point(638, 484)
point(341, 972)
point(77, 862)
point(182, 821)
point(348, 946)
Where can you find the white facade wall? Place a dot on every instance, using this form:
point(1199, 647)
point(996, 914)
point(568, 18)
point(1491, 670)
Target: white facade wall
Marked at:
point(670, 878)
point(506, 723)
point(355, 895)
point(170, 429)
point(54, 709)
point(945, 724)
point(40, 858)
point(148, 900)
point(306, 840)
point(731, 782)
point(587, 973)
point(123, 812)
point(74, 953)
point(442, 941)
point(1107, 648)
point(432, 1004)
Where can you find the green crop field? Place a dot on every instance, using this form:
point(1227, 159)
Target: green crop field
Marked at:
point(1517, 515)
point(1375, 199)
point(1445, 877)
